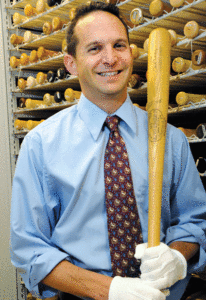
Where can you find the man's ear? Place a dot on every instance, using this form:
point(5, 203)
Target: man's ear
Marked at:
point(70, 64)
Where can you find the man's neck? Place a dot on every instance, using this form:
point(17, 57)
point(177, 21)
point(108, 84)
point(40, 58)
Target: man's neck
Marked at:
point(109, 103)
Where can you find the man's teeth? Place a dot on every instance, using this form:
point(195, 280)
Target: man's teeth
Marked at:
point(108, 73)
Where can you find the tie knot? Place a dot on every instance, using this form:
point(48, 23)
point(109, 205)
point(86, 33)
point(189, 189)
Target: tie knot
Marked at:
point(112, 123)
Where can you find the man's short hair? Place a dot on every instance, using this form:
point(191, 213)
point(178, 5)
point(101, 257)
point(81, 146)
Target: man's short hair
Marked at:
point(84, 10)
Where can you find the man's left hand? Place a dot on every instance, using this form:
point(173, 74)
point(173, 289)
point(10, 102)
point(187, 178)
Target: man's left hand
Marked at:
point(161, 265)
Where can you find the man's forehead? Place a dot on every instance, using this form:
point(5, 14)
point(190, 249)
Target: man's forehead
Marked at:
point(95, 17)
point(93, 21)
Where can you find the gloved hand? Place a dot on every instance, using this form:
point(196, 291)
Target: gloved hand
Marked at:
point(124, 288)
point(161, 265)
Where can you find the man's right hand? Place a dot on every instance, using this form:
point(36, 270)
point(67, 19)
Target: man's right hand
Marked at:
point(124, 288)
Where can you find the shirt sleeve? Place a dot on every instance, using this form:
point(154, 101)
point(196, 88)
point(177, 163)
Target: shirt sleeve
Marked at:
point(32, 251)
point(188, 205)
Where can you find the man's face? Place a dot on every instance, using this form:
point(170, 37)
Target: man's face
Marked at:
point(103, 57)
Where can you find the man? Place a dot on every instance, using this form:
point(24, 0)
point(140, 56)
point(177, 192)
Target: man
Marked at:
point(59, 232)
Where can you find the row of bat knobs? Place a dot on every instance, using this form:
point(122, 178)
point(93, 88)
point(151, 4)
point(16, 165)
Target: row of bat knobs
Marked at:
point(69, 96)
point(179, 64)
point(156, 9)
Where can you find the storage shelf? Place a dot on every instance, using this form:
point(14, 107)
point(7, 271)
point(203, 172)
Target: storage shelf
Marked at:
point(176, 20)
point(52, 41)
point(71, 81)
point(37, 112)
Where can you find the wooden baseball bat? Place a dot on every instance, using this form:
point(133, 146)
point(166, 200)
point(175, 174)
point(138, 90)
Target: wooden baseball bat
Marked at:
point(29, 36)
point(14, 62)
point(47, 28)
point(183, 98)
point(16, 39)
point(41, 6)
point(157, 8)
point(192, 29)
point(136, 51)
point(178, 3)
point(157, 107)
point(24, 59)
point(181, 65)
point(18, 18)
point(33, 57)
point(33, 103)
point(41, 78)
point(29, 10)
point(187, 132)
point(48, 99)
point(201, 131)
point(198, 57)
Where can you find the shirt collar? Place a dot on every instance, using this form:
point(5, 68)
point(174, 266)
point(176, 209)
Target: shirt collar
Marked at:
point(94, 117)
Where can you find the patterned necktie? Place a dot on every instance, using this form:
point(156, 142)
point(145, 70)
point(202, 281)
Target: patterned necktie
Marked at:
point(124, 227)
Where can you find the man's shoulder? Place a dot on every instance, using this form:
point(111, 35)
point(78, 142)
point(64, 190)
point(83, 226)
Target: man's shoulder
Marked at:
point(54, 124)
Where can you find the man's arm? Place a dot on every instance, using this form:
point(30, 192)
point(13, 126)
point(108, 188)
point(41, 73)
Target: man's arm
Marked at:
point(188, 250)
point(77, 281)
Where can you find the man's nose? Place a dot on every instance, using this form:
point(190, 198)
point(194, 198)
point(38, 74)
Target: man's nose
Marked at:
point(109, 56)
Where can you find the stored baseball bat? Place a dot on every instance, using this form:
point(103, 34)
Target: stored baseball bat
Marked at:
point(31, 82)
point(175, 38)
point(145, 45)
point(136, 51)
point(41, 6)
point(21, 102)
point(29, 10)
point(192, 29)
point(201, 131)
point(157, 8)
point(136, 16)
point(64, 46)
point(24, 59)
point(187, 132)
point(43, 53)
point(135, 81)
point(16, 39)
point(21, 84)
point(183, 98)
point(47, 28)
point(158, 98)
point(48, 99)
point(72, 13)
point(57, 23)
point(70, 95)
point(18, 19)
point(29, 36)
point(181, 65)
point(41, 78)
point(178, 3)
point(201, 165)
point(33, 57)
point(31, 124)
point(198, 57)
point(14, 62)
point(53, 2)
point(31, 103)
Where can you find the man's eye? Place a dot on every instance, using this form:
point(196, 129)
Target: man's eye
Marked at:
point(120, 46)
point(93, 49)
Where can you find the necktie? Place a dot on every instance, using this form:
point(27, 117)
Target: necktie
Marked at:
point(124, 227)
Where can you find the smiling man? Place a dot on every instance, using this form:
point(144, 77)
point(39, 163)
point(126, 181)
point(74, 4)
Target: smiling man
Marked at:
point(80, 191)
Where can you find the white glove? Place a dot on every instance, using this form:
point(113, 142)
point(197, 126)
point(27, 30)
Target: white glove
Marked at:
point(161, 265)
point(124, 288)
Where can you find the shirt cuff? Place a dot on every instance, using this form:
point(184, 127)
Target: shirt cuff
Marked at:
point(41, 267)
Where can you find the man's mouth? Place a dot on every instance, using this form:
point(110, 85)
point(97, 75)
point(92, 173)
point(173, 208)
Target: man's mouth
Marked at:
point(105, 74)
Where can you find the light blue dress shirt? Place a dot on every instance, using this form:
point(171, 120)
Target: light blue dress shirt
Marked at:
point(58, 202)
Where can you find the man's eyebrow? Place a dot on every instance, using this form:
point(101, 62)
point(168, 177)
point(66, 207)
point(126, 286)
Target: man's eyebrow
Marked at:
point(94, 43)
